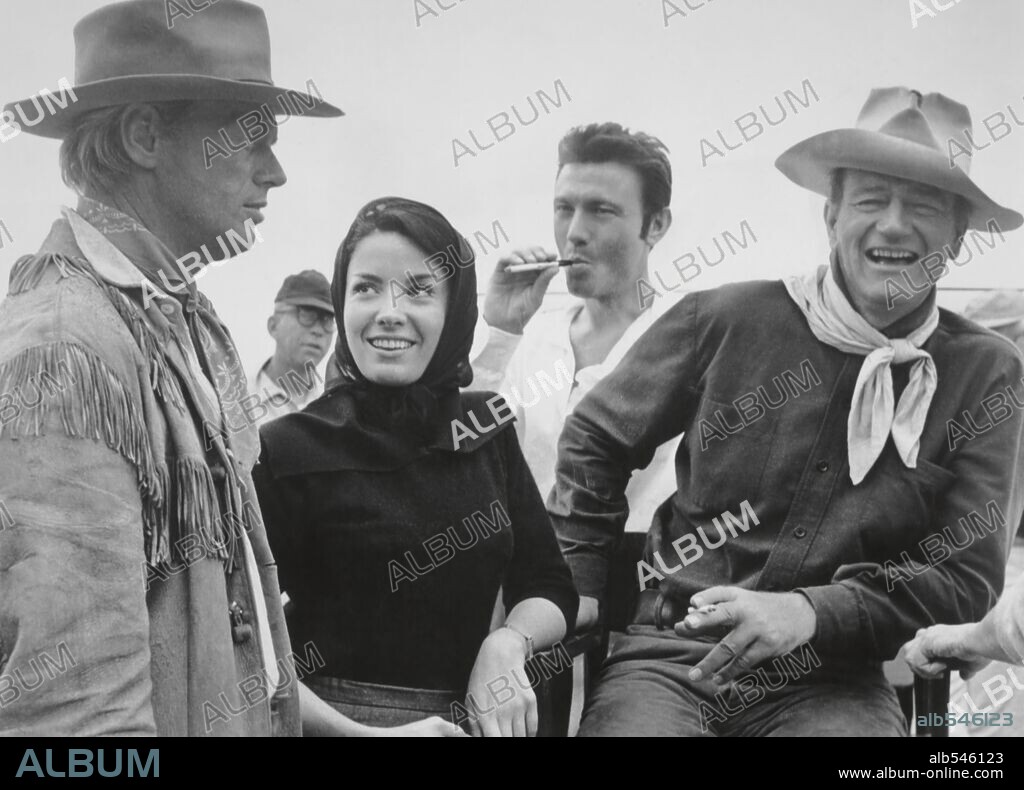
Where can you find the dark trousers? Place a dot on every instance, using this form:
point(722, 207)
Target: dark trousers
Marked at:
point(654, 697)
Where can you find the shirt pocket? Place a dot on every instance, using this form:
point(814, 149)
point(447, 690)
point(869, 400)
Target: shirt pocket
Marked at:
point(728, 452)
point(913, 493)
point(901, 505)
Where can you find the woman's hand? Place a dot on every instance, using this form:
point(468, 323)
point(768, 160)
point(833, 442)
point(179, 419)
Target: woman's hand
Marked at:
point(434, 727)
point(934, 650)
point(495, 700)
point(320, 719)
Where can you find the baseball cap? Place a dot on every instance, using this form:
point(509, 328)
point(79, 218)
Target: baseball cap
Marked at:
point(308, 288)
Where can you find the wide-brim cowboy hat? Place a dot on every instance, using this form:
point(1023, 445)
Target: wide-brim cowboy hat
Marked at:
point(167, 50)
point(904, 134)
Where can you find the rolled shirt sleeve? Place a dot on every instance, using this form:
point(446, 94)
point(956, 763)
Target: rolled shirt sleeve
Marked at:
point(1009, 621)
point(491, 364)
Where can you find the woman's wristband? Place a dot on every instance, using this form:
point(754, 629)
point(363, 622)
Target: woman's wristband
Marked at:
point(526, 638)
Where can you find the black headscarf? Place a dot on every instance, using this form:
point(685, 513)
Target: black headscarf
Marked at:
point(359, 424)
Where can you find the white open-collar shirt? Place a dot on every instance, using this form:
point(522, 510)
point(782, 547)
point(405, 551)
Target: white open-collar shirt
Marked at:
point(536, 373)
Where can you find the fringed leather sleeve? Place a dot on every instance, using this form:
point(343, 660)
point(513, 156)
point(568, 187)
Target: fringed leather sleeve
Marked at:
point(71, 382)
point(79, 486)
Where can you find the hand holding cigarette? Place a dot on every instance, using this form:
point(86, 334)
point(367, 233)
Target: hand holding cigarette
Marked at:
point(517, 288)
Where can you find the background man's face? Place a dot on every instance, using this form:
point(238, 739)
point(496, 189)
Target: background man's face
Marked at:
point(598, 217)
point(199, 204)
point(882, 228)
point(296, 344)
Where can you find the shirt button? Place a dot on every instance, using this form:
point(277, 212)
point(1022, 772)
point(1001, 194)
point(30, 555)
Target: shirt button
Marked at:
point(799, 532)
point(167, 309)
point(824, 466)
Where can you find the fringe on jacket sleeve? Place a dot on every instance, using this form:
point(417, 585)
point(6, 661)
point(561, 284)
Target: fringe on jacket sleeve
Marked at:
point(74, 382)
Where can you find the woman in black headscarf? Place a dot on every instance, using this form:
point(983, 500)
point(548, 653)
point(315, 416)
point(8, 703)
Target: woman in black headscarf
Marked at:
point(397, 506)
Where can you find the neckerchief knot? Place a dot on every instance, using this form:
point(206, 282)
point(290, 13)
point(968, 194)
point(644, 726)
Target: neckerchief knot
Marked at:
point(873, 414)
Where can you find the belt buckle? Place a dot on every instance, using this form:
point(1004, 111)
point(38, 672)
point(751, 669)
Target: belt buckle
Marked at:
point(659, 602)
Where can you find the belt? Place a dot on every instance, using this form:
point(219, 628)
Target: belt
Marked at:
point(656, 606)
point(382, 696)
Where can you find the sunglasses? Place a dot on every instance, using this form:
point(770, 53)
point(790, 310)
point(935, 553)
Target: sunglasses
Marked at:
point(309, 316)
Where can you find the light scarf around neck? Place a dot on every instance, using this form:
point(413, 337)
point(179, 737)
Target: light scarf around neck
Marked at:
point(833, 321)
point(115, 244)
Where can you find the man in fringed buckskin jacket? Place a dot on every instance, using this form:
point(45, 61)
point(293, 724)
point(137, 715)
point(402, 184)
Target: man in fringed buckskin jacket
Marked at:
point(138, 595)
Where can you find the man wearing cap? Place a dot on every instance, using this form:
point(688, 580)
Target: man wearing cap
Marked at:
point(816, 479)
point(302, 327)
point(138, 555)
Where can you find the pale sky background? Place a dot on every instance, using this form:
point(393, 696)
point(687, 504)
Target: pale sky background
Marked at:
point(408, 91)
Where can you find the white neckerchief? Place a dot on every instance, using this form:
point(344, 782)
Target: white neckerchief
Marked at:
point(872, 418)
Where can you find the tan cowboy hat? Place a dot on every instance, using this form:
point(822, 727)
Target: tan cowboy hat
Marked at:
point(141, 51)
point(904, 134)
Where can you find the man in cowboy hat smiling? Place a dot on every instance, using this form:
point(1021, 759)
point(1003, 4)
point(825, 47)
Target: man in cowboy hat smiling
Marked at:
point(138, 544)
point(846, 464)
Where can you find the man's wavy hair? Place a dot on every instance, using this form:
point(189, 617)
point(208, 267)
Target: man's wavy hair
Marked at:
point(598, 143)
point(92, 155)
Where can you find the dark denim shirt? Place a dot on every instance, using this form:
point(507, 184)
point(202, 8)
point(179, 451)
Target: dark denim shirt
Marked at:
point(764, 408)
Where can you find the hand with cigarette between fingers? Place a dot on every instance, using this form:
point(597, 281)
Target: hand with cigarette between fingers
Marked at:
point(513, 299)
point(757, 625)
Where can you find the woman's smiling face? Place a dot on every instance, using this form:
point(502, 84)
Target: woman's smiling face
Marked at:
point(394, 309)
